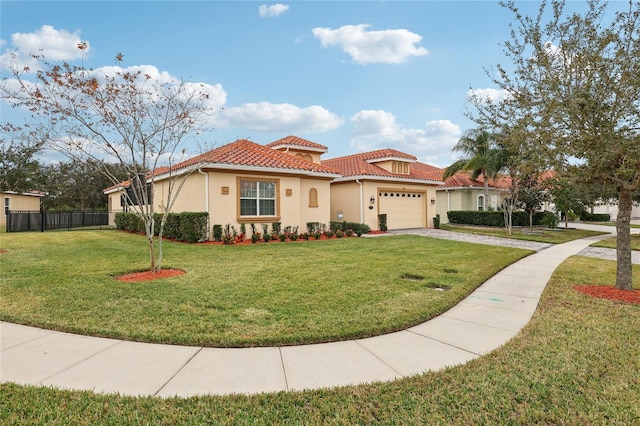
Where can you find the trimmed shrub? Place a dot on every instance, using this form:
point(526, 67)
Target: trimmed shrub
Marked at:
point(491, 218)
point(276, 227)
point(344, 226)
point(335, 225)
point(217, 233)
point(187, 226)
point(382, 220)
point(129, 222)
point(595, 217)
point(172, 227)
point(313, 227)
point(193, 226)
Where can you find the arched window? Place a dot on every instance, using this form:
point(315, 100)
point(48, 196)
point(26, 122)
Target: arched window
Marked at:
point(313, 197)
point(304, 156)
point(480, 202)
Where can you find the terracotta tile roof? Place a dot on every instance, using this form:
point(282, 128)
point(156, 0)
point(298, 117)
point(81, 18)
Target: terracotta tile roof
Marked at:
point(364, 165)
point(294, 141)
point(248, 154)
point(28, 193)
point(502, 181)
point(463, 180)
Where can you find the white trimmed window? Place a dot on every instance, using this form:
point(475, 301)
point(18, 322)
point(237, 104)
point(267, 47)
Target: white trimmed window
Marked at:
point(480, 202)
point(258, 198)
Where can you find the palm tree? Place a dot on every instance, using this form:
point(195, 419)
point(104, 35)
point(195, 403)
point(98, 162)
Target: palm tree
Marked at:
point(483, 157)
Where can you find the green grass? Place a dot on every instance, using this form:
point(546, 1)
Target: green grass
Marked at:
point(611, 243)
point(234, 296)
point(556, 236)
point(575, 363)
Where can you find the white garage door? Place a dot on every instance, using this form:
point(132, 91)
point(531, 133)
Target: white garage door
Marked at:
point(403, 209)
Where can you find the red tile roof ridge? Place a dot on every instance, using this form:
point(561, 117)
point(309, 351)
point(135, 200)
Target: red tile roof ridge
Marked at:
point(378, 155)
point(297, 141)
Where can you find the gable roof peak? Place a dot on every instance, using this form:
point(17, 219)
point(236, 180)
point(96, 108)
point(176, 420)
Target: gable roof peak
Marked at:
point(297, 142)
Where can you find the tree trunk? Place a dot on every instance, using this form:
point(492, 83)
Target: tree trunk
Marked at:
point(624, 271)
point(152, 254)
point(486, 191)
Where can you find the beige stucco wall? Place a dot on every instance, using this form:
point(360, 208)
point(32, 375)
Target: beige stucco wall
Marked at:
point(354, 199)
point(18, 202)
point(223, 199)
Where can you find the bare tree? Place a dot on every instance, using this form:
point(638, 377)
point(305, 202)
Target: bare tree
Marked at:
point(138, 119)
point(573, 92)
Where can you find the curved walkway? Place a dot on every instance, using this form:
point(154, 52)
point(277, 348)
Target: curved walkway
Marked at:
point(485, 320)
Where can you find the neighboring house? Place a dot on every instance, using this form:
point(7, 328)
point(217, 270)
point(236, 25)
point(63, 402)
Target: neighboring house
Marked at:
point(610, 207)
point(384, 182)
point(460, 192)
point(286, 181)
point(19, 201)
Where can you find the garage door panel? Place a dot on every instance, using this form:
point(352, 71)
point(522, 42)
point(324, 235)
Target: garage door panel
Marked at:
point(403, 209)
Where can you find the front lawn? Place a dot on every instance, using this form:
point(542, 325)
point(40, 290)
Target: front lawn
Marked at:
point(542, 235)
point(575, 363)
point(233, 296)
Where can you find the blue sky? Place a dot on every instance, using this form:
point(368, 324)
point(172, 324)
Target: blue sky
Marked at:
point(351, 75)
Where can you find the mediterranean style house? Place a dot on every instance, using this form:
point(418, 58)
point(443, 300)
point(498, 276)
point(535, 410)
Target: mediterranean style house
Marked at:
point(287, 181)
point(19, 201)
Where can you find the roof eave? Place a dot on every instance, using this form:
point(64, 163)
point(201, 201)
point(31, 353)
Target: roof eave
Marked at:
point(388, 179)
point(254, 169)
point(381, 159)
point(451, 188)
point(298, 148)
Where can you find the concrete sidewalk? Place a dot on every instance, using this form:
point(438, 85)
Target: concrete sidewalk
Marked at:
point(485, 320)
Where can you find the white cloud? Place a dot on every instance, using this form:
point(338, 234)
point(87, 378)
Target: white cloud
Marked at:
point(488, 95)
point(280, 118)
point(274, 10)
point(53, 44)
point(370, 47)
point(379, 129)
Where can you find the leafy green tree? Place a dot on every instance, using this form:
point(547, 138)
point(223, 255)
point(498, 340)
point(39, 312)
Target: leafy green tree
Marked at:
point(19, 169)
point(78, 185)
point(532, 195)
point(573, 88)
point(571, 194)
point(482, 157)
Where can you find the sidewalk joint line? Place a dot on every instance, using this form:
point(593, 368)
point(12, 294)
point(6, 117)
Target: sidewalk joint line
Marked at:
point(379, 359)
point(178, 371)
point(117, 342)
point(284, 370)
point(444, 343)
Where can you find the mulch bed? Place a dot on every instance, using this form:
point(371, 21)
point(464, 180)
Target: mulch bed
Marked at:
point(136, 277)
point(610, 293)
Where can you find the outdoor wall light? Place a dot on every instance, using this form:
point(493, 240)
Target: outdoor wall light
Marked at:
point(433, 201)
point(372, 200)
point(340, 215)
